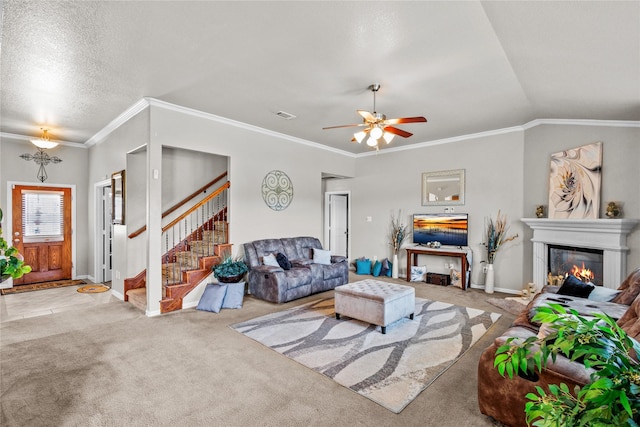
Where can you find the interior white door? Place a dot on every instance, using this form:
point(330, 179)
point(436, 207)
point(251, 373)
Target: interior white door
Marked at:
point(107, 234)
point(339, 224)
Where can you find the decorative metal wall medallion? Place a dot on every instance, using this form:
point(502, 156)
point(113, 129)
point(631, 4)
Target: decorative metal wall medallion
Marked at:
point(277, 190)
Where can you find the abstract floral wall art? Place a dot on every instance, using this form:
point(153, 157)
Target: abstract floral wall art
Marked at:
point(574, 182)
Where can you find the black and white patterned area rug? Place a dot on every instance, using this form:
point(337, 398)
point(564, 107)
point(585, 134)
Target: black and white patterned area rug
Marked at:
point(390, 369)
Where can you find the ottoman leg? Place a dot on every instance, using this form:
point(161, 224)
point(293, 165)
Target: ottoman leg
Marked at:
point(411, 316)
point(384, 329)
point(338, 316)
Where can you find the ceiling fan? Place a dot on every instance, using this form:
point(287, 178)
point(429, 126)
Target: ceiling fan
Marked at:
point(377, 125)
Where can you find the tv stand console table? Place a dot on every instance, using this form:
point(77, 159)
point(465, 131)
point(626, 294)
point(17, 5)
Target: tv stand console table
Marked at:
point(412, 259)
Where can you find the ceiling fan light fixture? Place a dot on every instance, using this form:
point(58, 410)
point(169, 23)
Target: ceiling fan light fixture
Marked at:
point(44, 142)
point(372, 142)
point(376, 132)
point(359, 136)
point(388, 137)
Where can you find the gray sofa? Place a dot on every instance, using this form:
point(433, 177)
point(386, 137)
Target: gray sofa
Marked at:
point(305, 277)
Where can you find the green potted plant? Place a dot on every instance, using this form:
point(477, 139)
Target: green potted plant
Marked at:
point(11, 262)
point(230, 270)
point(611, 398)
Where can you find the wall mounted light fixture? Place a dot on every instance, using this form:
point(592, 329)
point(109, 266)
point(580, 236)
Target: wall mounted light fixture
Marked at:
point(41, 157)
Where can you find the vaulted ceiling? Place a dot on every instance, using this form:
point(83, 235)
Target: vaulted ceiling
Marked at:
point(467, 66)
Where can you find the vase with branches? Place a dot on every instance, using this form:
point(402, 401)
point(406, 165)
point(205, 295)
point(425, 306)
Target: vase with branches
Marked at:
point(496, 232)
point(397, 232)
point(397, 236)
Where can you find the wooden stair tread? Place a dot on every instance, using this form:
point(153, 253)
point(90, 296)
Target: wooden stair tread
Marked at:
point(138, 297)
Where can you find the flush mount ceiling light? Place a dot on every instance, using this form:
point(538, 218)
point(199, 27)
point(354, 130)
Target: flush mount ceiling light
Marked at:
point(41, 157)
point(377, 125)
point(44, 141)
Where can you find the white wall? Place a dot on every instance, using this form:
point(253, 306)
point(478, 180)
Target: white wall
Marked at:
point(106, 157)
point(620, 172)
point(252, 154)
point(385, 183)
point(73, 170)
point(507, 172)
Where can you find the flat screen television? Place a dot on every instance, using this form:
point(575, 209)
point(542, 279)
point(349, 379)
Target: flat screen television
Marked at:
point(450, 229)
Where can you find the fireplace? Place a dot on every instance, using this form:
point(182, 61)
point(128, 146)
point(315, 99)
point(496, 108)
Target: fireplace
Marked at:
point(585, 264)
point(608, 236)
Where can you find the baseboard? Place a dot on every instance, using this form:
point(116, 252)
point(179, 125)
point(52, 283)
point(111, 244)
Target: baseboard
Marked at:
point(117, 295)
point(191, 304)
point(502, 290)
point(154, 313)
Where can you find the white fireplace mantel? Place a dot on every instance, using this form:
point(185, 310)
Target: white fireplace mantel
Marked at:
point(608, 235)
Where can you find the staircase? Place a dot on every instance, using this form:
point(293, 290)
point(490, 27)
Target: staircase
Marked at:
point(194, 242)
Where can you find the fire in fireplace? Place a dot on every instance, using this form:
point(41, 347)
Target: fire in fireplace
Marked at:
point(585, 264)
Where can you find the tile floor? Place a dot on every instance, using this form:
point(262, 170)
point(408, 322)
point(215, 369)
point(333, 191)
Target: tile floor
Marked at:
point(48, 301)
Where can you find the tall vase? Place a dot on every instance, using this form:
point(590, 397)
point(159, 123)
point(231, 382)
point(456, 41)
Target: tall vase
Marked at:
point(489, 280)
point(394, 267)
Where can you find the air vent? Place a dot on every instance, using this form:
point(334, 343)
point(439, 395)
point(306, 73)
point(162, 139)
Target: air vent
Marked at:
point(285, 115)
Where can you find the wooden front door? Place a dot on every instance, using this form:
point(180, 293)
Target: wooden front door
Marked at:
point(42, 232)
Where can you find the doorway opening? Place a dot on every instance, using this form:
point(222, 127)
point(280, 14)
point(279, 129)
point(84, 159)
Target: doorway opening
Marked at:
point(337, 223)
point(103, 242)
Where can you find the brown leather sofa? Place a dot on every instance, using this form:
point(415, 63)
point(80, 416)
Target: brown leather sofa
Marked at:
point(503, 398)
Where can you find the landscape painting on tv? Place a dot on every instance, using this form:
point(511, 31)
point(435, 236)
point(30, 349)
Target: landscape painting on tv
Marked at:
point(448, 229)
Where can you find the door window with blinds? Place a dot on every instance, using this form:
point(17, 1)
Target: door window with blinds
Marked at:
point(42, 216)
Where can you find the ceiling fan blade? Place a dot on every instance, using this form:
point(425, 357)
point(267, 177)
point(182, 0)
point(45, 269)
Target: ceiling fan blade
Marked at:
point(367, 116)
point(344, 126)
point(397, 131)
point(405, 120)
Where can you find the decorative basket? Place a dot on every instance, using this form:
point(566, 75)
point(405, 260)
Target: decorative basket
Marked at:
point(230, 279)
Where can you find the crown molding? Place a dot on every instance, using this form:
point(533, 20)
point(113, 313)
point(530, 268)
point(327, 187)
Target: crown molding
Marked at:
point(114, 124)
point(582, 122)
point(146, 102)
point(445, 141)
point(208, 116)
point(502, 131)
point(26, 138)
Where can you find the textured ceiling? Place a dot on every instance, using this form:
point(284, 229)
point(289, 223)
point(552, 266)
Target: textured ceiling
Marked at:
point(466, 66)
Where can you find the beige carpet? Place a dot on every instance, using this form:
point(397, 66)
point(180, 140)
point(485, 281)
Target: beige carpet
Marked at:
point(391, 369)
point(109, 365)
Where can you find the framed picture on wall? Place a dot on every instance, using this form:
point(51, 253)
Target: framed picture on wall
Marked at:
point(117, 197)
point(574, 182)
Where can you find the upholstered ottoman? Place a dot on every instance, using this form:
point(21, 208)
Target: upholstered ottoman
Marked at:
point(374, 302)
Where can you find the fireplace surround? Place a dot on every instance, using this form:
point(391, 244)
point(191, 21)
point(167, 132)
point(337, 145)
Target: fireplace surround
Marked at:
point(607, 235)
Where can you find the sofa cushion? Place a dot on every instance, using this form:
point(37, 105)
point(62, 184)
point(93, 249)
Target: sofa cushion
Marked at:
point(418, 273)
point(630, 289)
point(321, 256)
point(377, 268)
point(575, 287)
point(255, 251)
point(297, 277)
point(270, 259)
point(363, 266)
point(600, 293)
point(283, 261)
point(385, 267)
point(583, 306)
